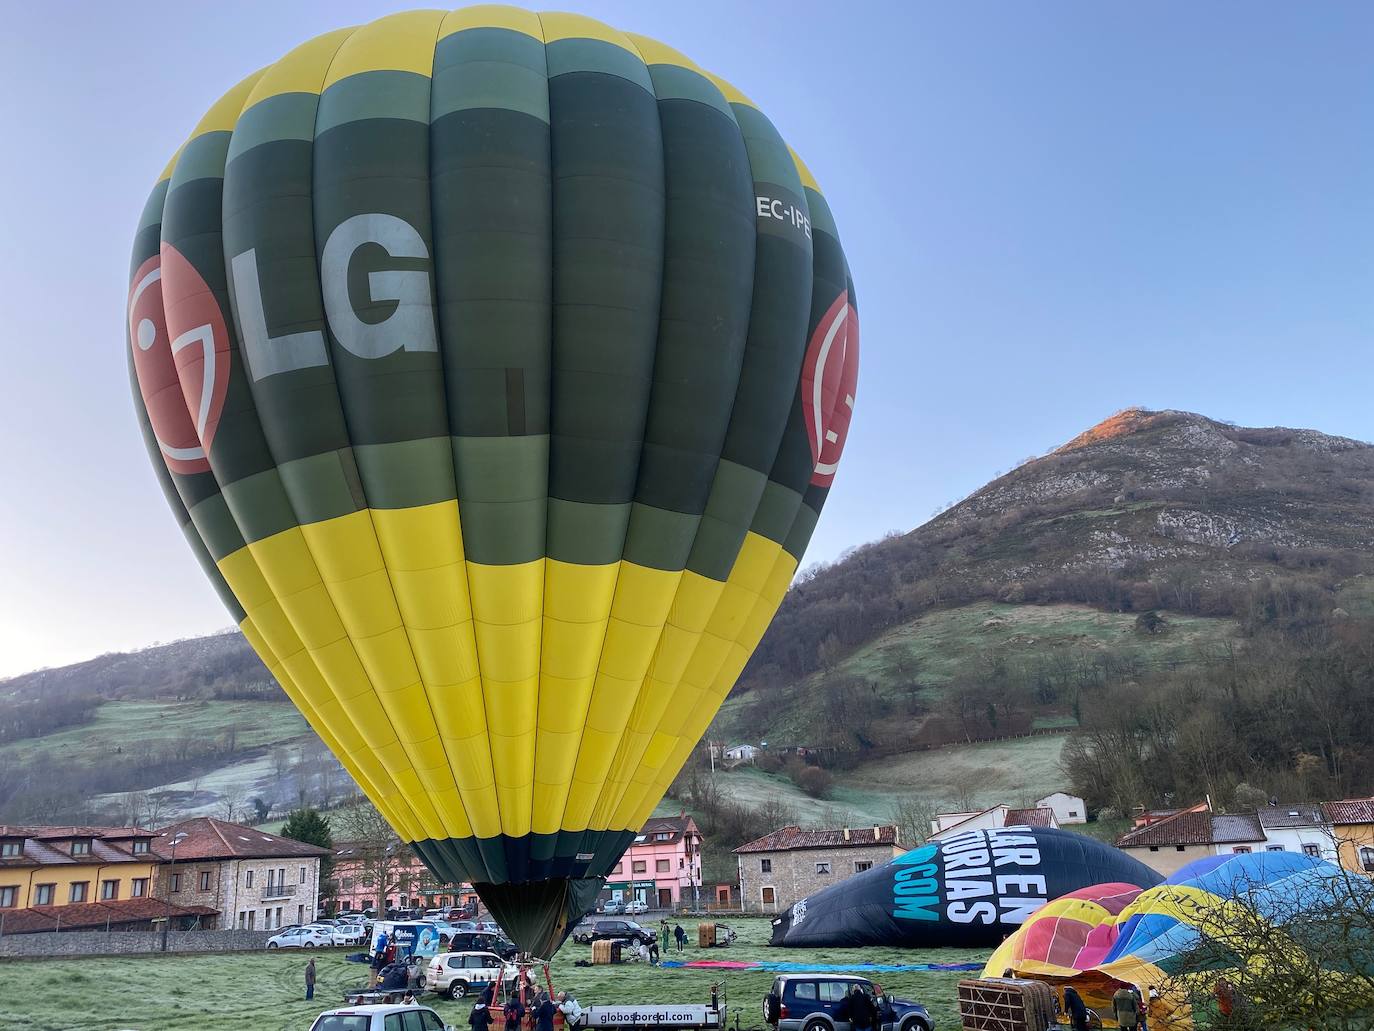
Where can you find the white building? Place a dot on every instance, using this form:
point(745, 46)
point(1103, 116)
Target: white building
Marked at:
point(742, 752)
point(946, 824)
point(1067, 808)
point(1298, 827)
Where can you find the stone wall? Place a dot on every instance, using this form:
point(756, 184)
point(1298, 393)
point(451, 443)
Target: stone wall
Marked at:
point(794, 875)
point(116, 943)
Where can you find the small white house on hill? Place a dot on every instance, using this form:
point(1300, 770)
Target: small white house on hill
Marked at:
point(1067, 808)
point(742, 752)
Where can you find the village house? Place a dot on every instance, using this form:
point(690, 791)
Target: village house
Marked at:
point(1169, 844)
point(662, 866)
point(1067, 808)
point(790, 863)
point(1352, 828)
point(54, 878)
point(994, 818)
point(252, 879)
point(742, 753)
point(1298, 827)
point(409, 882)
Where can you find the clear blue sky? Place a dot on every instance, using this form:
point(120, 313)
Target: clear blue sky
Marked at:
point(1052, 211)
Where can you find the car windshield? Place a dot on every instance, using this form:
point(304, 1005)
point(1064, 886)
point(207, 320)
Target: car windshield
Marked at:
point(342, 1022)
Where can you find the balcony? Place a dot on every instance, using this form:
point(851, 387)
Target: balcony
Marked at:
point(278, 891)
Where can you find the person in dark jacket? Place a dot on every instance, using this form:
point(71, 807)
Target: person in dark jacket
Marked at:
point(681, 937)
point(1076, 1009)
point(480, 1017)
point(394, 977)
point(310, 979)
point(862, 1012)
point(544, 1011)
point(514, 1014)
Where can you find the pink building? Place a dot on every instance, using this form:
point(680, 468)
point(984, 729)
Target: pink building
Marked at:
point(662, 867)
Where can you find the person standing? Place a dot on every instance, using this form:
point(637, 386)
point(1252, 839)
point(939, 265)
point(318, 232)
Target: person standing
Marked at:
point(1126, 1008)
point(681, 936)
point(480, 1017)
point(544, 1012)
point(1077, 1011)
point(310, 979)
point(666, 934)
point(570, 1008)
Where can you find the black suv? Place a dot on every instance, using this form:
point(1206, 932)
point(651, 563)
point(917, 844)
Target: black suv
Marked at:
point(613, 929)
point(482, 941)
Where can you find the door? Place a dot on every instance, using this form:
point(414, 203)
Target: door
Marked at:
point(769, 898)
point(665, 898)
point(832, 994)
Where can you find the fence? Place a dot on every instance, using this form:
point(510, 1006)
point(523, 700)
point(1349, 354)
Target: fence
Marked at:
point(124, 943)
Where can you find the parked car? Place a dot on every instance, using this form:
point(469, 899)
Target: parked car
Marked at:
point(612, 907)
point(301, 938)
point(491, 927)
point(455, 926)
point(380, 1018)
point(482, 941)
point(455, 974)
point(636, 906)
point(811, 1002)
point(603, 929)
point(349, 934)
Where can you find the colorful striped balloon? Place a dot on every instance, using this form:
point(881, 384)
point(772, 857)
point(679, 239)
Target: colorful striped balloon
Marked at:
point(497, 366)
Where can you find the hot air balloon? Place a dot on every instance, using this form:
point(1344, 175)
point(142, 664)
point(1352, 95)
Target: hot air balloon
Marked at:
point(1105, 936)
point(969, 889)
point(497, 366)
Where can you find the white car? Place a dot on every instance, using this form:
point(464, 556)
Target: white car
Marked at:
point(380, 1018)
point(301, 938)
point(455, 974)
point(636, 906)
point(348, 934)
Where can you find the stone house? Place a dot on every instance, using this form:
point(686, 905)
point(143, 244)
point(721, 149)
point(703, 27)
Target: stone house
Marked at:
point(253, 879)
point(790, 863)
point(1169, 844)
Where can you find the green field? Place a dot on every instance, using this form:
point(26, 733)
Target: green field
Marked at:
point(129, 726)
point(264, 991)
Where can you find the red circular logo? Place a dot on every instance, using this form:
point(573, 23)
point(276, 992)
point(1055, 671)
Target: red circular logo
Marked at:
point(181, 357)
point(830, 373)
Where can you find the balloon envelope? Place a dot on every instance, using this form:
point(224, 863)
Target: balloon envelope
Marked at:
point(969, 889)
point(497, 366)
point(1107, 935)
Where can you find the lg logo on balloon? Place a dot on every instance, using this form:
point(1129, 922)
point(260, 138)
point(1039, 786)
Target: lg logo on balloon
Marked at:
point(180, 352)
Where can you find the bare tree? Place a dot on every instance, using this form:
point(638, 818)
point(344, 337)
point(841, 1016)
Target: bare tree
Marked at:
point(914, 816)
point(231, 803)
point(374, 845)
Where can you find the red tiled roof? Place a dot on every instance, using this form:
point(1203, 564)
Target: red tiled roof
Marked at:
point(51, 846)
point(786, 838)
point(676, 826)
point(1349, 811)
point(1042, 816)
point(95, 914)
point(208, 838)
point(1190, 828)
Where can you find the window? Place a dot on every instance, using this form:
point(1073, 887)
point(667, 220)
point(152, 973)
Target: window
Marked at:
point(300, 914)
point(1073, 814)
point(1312, 850)
point(410, 1021)
point(641, 866)
point(78, 891)
point(430, 1021)
point(681, 862)
point(392, 1022)
point(302, 880)
point(834, 991)
point(176, 882)
point(205, 880)
point(243, 920)
point(765, 866)
point(348, 883)
point(138, 887)
point(81, 847)
point(1154, 848)
point(860, 865)
point(1273, 848)
point(109, 890)
point(43, 894)
point(11, 848)
point(140, 847)
point(823, 869)
point(766, 893)
point(248, 878)
point(1178, 848)
point(1241, 850)
point(662, 837)
point(9, 896)
point(805, 990)
point(279, 916)
point(1367, 859)
point(252, 918)
point(662, 866)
